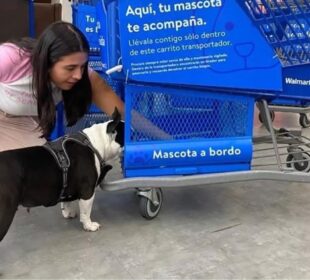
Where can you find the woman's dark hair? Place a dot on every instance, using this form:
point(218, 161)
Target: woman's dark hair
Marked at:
point(25, 44)
point(58, 40)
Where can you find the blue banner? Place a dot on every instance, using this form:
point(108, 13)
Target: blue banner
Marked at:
point(197, 43)
point(182, 153)
point(188, 157)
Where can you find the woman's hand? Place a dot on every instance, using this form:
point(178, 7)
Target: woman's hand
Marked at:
point(145, 126)
point(106, 99)
point(103, 95)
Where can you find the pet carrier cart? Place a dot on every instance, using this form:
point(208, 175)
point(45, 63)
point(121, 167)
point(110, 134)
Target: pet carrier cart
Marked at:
point(192, 72)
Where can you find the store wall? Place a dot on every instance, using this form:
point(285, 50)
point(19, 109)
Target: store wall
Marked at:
point(14, 19)
point(66, 13)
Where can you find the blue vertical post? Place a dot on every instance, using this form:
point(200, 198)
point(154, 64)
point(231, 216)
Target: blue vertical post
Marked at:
point(31, 18)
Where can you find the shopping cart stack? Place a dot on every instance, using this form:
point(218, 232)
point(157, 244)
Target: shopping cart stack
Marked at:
point(189, 92)
point(84, 15)
point(192, 71)
point(286, 26)
point(90, 17)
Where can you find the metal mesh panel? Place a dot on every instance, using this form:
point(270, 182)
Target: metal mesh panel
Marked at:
point(286, 26)
point(185, 115)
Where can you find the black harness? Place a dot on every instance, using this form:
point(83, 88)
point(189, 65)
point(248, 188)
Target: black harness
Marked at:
point(58, 149)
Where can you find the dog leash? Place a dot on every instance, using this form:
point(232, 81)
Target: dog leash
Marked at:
point(58, 149)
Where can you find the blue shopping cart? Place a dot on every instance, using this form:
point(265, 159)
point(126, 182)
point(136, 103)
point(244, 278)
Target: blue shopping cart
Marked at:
point(86, 16)
point(192, 72)
point(285, 25)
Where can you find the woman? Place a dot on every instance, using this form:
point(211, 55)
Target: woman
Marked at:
point(36, 75)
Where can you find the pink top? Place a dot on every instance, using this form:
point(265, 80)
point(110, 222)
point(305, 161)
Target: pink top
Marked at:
point(16, 96)
point(15, 63)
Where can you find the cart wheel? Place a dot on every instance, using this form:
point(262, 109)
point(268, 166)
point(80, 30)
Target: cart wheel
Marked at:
point(272, 116)
point(303, 166)
point(149, 208)
point(304, 121)
point(290, 157)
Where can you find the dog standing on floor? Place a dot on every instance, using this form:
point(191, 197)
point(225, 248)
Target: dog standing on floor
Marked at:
point(32, 176)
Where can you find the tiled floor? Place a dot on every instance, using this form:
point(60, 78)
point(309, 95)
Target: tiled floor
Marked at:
point(249, 230)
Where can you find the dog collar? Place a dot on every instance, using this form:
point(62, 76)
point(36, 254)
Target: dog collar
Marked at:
point(58, 149)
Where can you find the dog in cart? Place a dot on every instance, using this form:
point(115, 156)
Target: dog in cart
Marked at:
point(63, 170)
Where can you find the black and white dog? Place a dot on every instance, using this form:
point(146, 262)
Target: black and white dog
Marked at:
point(33, 177)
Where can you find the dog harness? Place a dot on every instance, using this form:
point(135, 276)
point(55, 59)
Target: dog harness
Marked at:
point(58, 149)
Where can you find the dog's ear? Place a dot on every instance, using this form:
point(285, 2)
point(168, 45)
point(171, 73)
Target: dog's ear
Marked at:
point(116, 118)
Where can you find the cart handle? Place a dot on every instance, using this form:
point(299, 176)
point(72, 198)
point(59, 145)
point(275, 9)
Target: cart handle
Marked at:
point(117, 68)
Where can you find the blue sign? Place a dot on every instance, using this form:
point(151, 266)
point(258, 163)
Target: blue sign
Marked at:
point(188, 157)
point(197, 43)
point(85, 18)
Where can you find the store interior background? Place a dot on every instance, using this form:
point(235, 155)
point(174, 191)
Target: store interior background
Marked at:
point(15, 16)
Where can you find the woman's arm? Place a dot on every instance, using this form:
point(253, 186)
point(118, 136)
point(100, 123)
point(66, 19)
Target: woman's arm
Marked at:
point(103, 95)
point(106, 99)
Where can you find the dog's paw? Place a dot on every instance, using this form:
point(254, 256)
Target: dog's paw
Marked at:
point(69, 214)
point(91, 226)
point(68, 211)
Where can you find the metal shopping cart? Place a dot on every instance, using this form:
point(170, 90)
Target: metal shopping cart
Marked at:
point(285, 25)
point(192, 72)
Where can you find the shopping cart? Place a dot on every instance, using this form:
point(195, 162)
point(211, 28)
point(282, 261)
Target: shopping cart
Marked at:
point(84, 16)
point(285, 25)
point(192, 72)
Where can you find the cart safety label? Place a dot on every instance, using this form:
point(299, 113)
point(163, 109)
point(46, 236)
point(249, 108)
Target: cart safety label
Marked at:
point(211, 152)
point(182, 41)
point(184, 153)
